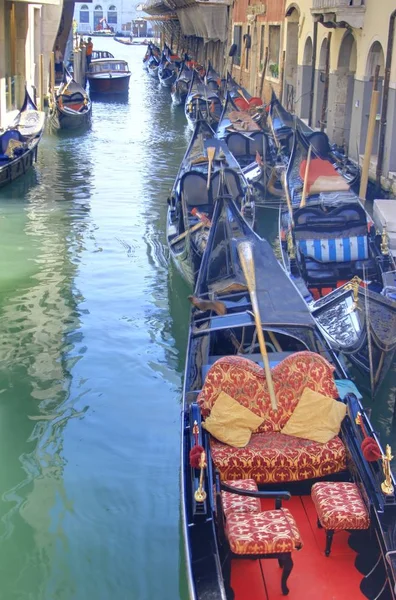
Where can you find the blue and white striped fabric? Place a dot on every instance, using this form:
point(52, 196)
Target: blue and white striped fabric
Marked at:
point(336, 250)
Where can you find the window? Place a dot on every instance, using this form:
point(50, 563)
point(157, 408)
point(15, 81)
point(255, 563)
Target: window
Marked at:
point(262, 38)
point(98, 16)
point(274, 49)
point(238, 42)
point(247, 48)
point(84, 14)
point(112, 15)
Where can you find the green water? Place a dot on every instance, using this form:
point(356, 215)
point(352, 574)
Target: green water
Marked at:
point(93, 329)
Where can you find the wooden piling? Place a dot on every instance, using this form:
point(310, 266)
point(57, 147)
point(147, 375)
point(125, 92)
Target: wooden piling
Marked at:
point(263, 72)
point(323, 116)
point(52, 72)
point(313, 71)
point(41, 81)
point(370, 136)
point(282, 76)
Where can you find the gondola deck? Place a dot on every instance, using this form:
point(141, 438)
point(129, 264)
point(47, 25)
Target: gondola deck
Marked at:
point(314, 576)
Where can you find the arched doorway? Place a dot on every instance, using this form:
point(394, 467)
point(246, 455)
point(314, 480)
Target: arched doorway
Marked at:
point(290, 82)
point(304, 81)
point(375, 57)
point(342, 83)
point(320, 84)
point(98, 16)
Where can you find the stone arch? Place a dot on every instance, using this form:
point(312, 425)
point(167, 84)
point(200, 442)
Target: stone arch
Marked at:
point(341, 93)
point(290, 81)
point(308, 49)
point(319, 83)
point(375, 57)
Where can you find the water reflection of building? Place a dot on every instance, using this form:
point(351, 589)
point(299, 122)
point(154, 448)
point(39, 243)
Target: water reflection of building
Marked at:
point(40, 341)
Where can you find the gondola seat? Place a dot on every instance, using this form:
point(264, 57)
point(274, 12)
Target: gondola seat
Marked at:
point(271, 456)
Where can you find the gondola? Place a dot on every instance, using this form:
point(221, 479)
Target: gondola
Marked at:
point(127, 41)
point(168, 67)
point(328, 238)
point(202, 103)
point(70, 107)
point(249, 144)
point(240, 95)
point(208, 171)
point(19, 143)
point(179, 89)
point(212, 78)
point(229, 493)
point(151, 56)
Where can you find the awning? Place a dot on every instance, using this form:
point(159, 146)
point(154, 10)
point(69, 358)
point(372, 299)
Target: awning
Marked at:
point(208, 21)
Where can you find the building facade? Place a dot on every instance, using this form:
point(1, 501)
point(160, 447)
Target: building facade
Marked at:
point(26, 31)
point(117, 14)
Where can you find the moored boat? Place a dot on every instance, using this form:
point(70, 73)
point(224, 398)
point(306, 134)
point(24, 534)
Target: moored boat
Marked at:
point(208, 171)
point(168, 67)
point(70, 106)
point(179, 89)
point(260, 491)
point(202, 103)
point(108, 76)
point(19, 142)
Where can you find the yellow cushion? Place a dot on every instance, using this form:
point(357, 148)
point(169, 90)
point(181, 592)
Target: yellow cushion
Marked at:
point(316, 417)
point(231, 423)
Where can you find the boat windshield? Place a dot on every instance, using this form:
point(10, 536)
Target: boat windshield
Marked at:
point(106, 66)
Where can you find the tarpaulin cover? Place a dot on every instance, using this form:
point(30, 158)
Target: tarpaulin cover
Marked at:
point(208, 22)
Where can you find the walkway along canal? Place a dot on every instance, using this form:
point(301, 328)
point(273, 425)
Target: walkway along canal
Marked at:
point(93, 328)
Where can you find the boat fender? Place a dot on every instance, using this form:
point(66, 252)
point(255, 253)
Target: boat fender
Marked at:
point(214, 305)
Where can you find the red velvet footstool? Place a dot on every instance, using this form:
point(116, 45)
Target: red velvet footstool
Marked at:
point(339, 506)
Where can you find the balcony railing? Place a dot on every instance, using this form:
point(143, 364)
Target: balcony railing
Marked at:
point(334, 4)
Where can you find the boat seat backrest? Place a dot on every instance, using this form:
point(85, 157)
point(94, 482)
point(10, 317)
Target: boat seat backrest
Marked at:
point(238, 144)
point(340, 249)
point(227, 183)
point(258, 143)
point(320, 143)
point(348, 216)
point(193, 187)
point(6, 137)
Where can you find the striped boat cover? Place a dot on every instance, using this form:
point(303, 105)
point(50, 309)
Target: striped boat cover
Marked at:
point(336, 250)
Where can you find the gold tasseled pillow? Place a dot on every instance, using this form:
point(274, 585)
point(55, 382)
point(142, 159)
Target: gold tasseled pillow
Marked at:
point(231, 423)
point(316, 417)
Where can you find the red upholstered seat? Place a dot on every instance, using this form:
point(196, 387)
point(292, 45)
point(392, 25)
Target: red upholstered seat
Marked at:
point(274, 457)
point(339, 505)
point(235, 503)
point(269, 532)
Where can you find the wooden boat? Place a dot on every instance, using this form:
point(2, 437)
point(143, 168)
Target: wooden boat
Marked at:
point(223, 357)
point(70, 106)
point(152, 52)
point(108, 76)
point(212, 78)
point(208, 171)
point(127, 41)
point(179, 89)
point(240, 95)
point(327, 238)
point(248, 142)
point(202, 103)
point(19, 142)
point(168, 67)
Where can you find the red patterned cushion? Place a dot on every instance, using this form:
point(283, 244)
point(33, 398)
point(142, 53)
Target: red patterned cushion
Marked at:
point(340, 506)
point(234, 502)
point(245, 381)
point(268, 532)
point(275, 457)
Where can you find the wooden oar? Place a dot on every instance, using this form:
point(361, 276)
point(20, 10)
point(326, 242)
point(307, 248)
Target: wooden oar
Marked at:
point(181, 237)
point(245, 252)
point(305, 188)
point(210, 151)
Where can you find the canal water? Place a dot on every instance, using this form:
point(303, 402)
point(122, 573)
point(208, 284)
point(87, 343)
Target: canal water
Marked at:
point(93, 330)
